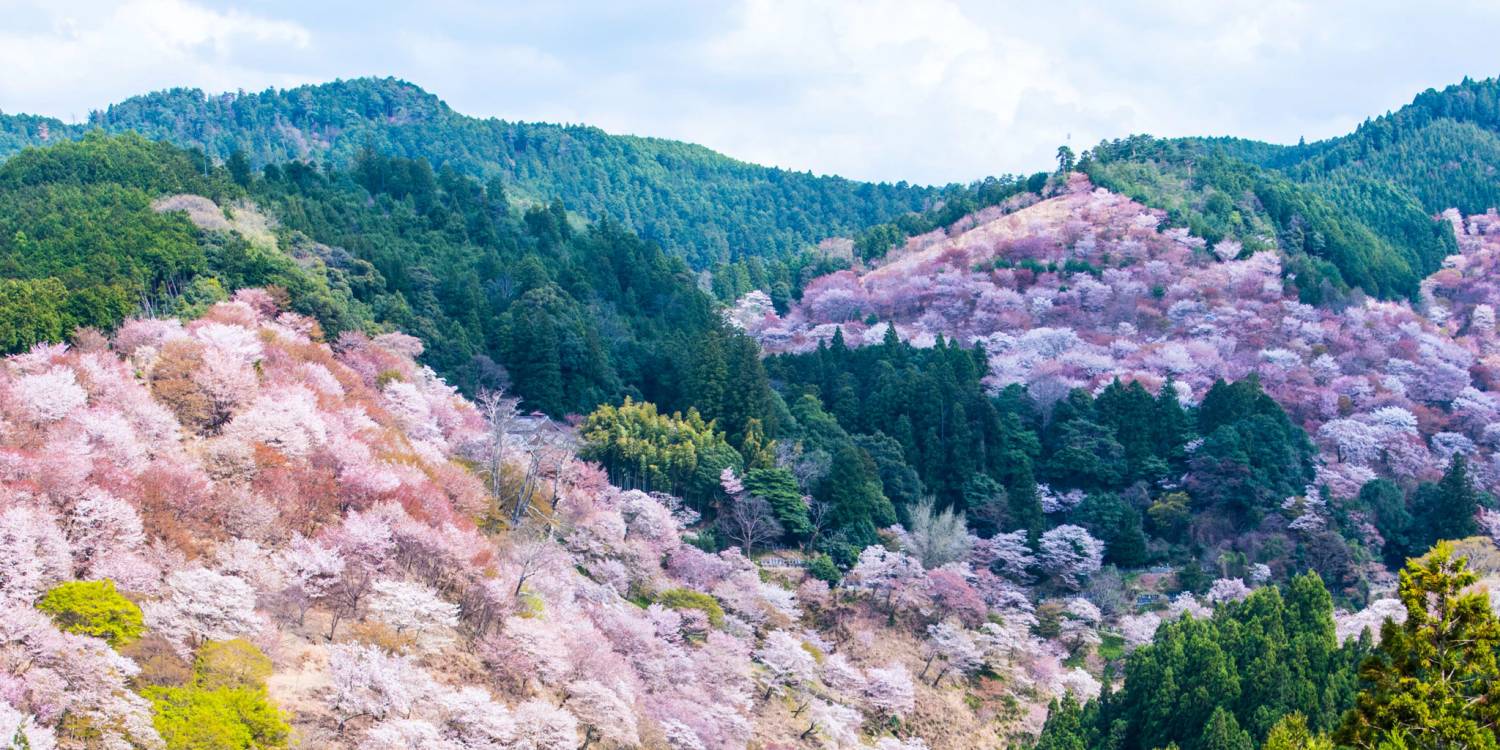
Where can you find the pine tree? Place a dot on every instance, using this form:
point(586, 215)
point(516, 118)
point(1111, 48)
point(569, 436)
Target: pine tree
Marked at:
point(779, 489)
point(710, 376)
point(1067, 727)
point(1292, 733)
point(1223, 732)
point(1435, 680)
point(1448, 512)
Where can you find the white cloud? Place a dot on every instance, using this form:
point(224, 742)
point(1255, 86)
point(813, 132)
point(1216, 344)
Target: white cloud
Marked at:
point(107, 51)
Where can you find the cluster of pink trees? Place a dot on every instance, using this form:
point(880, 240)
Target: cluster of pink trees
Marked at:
point(1085, 287)
point(240, 478)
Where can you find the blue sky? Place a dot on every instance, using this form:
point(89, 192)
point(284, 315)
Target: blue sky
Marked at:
point(921, 90)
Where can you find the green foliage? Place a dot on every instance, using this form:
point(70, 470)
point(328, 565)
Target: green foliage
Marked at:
point(1337, 233)
point(924, 408)
point(823, 568)
point(1291, 733)
point(1447, 509)
point(1435, 679)
point(81, 245)
point(1069, 726)
point(567, 317)
point(1118, 525)
point(94, 608)
point(1223, 732)
point(1253, 456)
point(1384, 501)
point(779, 488)
point(642, 448)
point(696, 203)
point(226, 705)
point(195, 718)
point(929, 425)
point(690, 599)
point(230, 664)
point(1436, 149)
point(1225, 682)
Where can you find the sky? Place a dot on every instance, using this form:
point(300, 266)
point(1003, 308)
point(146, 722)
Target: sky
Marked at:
point(927, 91)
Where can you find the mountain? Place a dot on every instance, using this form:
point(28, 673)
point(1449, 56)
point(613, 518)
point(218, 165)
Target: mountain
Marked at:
point(1123, 456)
point(696, 203)
point(1069, 296)
point(1356, 210)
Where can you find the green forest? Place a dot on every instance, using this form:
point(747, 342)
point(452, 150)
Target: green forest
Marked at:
point(695, 203)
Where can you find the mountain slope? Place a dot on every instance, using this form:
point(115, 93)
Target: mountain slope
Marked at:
point(700, 204)
point(1083, 288)
point(1354, 211)
point(1337, 234)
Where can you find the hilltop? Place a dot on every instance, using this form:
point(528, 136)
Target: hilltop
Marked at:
point(697, 203)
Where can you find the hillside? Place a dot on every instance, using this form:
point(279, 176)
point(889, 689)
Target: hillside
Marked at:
point(568, 317)
point(1354, 211)
point(1081, 290)
point(1190, 445)
point(696, 203)
point(320, 542)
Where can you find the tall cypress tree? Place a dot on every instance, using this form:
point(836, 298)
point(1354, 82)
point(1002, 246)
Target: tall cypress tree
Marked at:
point(1448, 511)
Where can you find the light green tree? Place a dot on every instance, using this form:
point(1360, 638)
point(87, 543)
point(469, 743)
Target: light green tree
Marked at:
point(1435, 680)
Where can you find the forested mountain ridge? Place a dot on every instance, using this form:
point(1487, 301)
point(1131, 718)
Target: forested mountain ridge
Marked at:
point(1042, 443)
point(1351, 211)
point(696, 203)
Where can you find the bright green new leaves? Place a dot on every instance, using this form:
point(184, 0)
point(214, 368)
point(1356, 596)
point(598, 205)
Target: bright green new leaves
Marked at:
point(645, 449)
point(94, 608)
point(226, 705)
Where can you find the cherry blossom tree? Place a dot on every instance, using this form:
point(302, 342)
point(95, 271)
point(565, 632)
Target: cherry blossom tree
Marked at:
point(48, 396)
point(788, 666)
point(542, 726)
point(406, 734)
point(1138, 630)
point(22, 731)
point(102, 527)
point(47, 675)
point(1351, 624)
point(889, 692)
point(311, 573)
point(1227, 590)
point(366, 681)
point(603, 713)
point(1070, 554)
point(841, 676)
point(366, 542)
point(1007, 554)
point(202, 605)
point(894, 579)
point(836, 725)
point(414, 609)
point(954, 647)
point(34, 554)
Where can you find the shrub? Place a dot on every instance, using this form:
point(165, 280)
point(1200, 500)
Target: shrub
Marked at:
point(823, 568)
point(195, 718)
point(94, 608)
point(226, 706)
point(689, 599)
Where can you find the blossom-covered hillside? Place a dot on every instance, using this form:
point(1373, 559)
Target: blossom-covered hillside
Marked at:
point(227, 531)
point(1084, 287)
